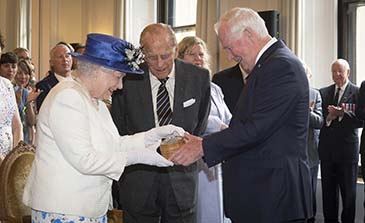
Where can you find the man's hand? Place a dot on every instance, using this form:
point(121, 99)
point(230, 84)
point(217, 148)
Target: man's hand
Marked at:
point(155, 135)
point(190, 152)
point(311, 106)
point(335, 111)
point(33, 94)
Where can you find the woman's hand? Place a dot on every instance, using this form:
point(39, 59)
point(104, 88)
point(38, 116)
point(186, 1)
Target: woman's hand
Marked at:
point(33, 94)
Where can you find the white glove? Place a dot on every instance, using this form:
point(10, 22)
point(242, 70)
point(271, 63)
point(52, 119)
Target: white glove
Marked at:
point(147, 156)
point(152, 140)
point(155, 135)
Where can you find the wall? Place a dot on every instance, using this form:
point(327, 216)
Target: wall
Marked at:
point(9, 23)
point(319, 42)
point(309, 28)
point(71, 20)
point(60, 20)
point(139, 13)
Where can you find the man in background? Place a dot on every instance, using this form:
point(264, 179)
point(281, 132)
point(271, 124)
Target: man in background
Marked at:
point(60, 69)
point(339, 144)
point(360, 113)
point(231, 81)
point(169, 91)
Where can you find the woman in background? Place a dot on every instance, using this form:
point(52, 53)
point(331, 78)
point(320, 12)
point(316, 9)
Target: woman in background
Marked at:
point(8, 65)
point(25, 99)
point(23, 53)
point(10, 125)
point(11, 131)
point(210, 198)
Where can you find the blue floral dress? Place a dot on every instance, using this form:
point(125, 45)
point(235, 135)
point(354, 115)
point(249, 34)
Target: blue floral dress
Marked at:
point(42, 217)
point(8, 107)
point(21, 108)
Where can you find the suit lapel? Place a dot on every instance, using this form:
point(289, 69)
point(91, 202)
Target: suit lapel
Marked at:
point(145, 94)
point(331, 95)
point(180, 82)
point(252, 77)
point(266, 55)
point(346, 94)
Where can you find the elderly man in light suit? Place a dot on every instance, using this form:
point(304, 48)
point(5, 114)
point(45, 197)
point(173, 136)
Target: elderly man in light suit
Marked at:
point(148, 194)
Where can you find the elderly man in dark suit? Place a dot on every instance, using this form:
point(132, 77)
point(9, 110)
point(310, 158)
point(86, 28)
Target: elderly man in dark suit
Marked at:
point(339, 144)
point(152, 194)
point(231, 81)
point(266, 175)
point(360, 113)
point(60, 69)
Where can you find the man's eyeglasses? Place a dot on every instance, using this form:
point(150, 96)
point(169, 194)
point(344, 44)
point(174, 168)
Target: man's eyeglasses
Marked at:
point(154, 58)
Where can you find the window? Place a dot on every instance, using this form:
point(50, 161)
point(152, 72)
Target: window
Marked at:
point(351, 46)
point(351, 35)
point(180, 15)
point(360, 44)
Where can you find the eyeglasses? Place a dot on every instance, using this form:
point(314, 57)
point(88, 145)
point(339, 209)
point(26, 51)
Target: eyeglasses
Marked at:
point(195, 55)
point(154, 58)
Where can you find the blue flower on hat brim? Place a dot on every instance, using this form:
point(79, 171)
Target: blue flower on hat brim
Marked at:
point(110, 52)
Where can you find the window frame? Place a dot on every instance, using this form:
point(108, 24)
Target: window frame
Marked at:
point(166, 14)
point(347, 33)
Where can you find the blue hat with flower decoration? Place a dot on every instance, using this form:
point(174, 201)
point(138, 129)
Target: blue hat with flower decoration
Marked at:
point(112, 52)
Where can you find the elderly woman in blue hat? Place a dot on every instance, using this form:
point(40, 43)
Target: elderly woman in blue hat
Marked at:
point(79, 151)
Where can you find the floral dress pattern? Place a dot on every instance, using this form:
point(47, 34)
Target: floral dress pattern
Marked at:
point(42, 217)
point(8, 107)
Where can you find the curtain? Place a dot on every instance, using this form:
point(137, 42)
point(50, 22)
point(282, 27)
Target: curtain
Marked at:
point(207, 16)
point(291, 27)
point(209, 11)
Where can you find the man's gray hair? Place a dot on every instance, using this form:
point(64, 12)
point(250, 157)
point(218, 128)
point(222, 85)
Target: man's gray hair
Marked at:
point(343, 63)
point(158, 29)
point(238, 19)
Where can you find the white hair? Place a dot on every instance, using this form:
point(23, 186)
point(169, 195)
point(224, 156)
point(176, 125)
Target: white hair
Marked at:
point(343, 63)
point(89, 69)
point(238, 19)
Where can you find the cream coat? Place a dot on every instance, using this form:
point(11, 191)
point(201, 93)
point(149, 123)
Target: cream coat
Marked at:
point(79, 153)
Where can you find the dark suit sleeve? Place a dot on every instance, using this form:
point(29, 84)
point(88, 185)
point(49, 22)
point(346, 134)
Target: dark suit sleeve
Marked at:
point(42, 95)
point(350, 118)
point(216, 80)
point(204, 106)
point(271, 109)
point(316, 116)
point(118, 113)
point(360, 107)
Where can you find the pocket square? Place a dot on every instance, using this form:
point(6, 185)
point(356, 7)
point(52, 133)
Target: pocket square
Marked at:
point(189, 102)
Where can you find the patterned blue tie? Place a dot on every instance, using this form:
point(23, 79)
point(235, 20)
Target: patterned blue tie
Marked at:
point(164, 112)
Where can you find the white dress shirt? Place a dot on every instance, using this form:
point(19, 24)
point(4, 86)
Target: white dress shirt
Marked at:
point(62, 78)
point(342, 90)
point(170, 86)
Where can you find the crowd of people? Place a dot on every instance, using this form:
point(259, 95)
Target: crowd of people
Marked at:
point(256, 134)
